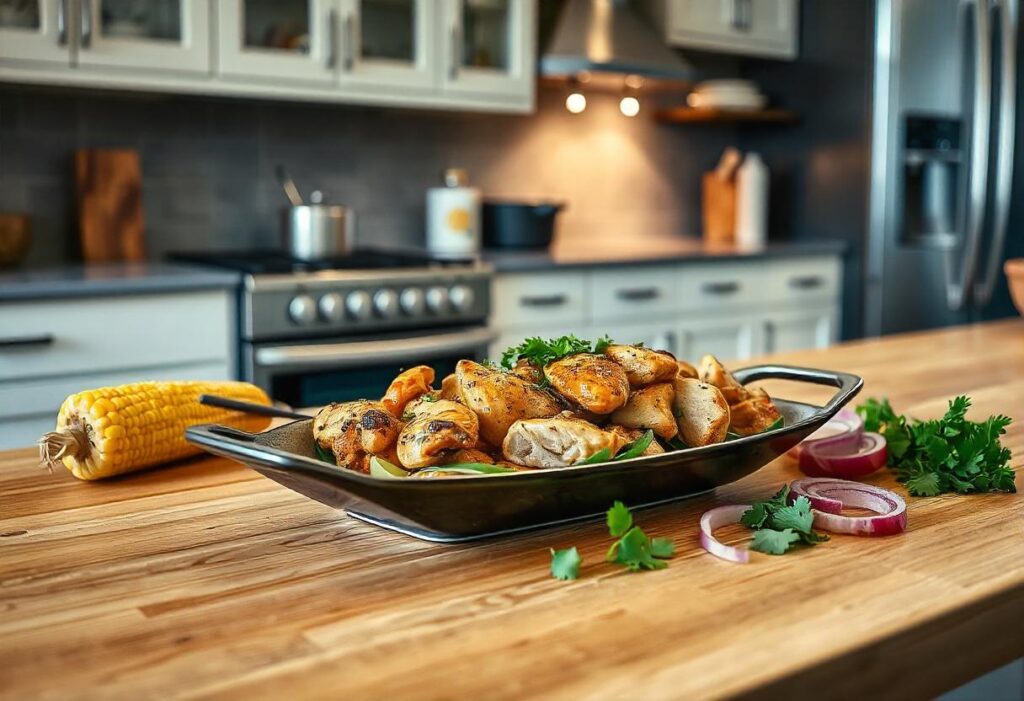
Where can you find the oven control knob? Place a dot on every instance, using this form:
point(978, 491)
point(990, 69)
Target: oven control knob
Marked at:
point(437, 299)
point(357, 304)
point(386, 303)
point(411, 301)
point(461, 297)
point(302, 310)
point(332, 307)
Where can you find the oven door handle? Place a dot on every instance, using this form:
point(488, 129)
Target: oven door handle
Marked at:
point(356, 353)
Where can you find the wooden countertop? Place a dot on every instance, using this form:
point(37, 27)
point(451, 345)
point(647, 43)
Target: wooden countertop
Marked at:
point(205, 579)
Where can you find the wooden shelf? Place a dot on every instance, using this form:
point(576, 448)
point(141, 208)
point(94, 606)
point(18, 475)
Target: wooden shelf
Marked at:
point(689, 115)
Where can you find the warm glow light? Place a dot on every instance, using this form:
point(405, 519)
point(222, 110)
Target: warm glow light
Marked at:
point(576, 103)
point(629, 106)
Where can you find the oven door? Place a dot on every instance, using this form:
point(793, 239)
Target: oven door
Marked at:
point(311, 374)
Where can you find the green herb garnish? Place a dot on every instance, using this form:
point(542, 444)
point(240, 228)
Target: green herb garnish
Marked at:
point(469, 468)
point(951, 454)
point(634, 549)
point(565, 564)
point(323, 454)
point(636, 448)
point(779, 525)
point(603, 455)
point(540, 352)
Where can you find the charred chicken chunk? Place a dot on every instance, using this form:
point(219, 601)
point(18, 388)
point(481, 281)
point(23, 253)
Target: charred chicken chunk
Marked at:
point(500, 399)
point(629, 435)
point(643, 366)
point(753, 415)
point(526, 370)
point(557, 442)
point(701, 412)
point(407, 386)
point(714, 373)
point(686, 370)
point(435, 429)
point(594, 382)
point(353, 431)
point(650, 407)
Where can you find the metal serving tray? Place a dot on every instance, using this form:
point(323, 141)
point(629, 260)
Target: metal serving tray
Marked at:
point(468, 507)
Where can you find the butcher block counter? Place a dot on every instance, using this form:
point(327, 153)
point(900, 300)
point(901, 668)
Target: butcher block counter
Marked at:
point(207, 580)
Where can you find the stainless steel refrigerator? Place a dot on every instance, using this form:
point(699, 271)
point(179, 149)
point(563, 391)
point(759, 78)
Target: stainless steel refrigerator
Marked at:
point(942, 217)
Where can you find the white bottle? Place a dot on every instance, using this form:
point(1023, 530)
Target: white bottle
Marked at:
point(752, 203)
point(453, 217)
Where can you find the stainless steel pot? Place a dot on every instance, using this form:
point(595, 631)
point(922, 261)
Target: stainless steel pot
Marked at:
point(319, 231)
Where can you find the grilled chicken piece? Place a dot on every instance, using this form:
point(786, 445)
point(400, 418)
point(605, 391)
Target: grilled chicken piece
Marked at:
point(526, 370)
point(643, 366)
point(500, 399)
point(714, 373)
point(435, 429)
point(353, 431)
point(701, 412)
point(557, 442)
point(686, 370)
point(594, 382)
point(468, 455)
point(650, 407)
point(407, 386)
point(629, 435)
point(753, 415)
point(450, 388)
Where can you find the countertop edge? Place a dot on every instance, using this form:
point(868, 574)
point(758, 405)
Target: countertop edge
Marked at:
point(86, 281)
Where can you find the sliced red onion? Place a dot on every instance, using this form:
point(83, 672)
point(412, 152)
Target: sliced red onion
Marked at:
point(842, 432)
point(830, 496)
point(716, 518)
point(847, 462)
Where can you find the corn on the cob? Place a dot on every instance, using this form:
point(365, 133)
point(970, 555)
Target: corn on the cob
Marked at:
point(112, 430)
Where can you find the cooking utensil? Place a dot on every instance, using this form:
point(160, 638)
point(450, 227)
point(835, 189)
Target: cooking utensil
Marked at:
point(519, 224)
point(470, 507)
point(319, 231)
point(249, 407)
point(15, 238)
point(290, 190)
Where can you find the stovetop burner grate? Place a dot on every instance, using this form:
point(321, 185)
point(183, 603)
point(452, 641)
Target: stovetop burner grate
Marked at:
point(268, 261)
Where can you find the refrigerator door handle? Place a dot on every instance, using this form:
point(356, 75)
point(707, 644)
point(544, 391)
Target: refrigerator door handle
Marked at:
point(1008, 15)
point(959, 286)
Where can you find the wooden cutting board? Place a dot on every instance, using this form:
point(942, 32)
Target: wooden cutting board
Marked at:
point(108, 187)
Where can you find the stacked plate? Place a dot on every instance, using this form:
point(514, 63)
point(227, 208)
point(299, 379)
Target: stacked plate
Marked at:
point(727, 95)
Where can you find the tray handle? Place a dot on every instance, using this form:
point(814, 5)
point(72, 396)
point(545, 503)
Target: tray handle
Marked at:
point(847, 385)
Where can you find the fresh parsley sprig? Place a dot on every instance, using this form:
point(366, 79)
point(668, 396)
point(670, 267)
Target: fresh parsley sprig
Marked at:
point(951, 454)
point(779, 525)
point(540, 352)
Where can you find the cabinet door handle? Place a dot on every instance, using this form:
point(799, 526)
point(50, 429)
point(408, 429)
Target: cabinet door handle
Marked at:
point(720, 288)
point(456, 52)
point(350, 42)
point(807, 282)
point(543, 301)
point(62, 22)
point(638, 294)
point(86, 17)
point(27, 341)
point(332, 38)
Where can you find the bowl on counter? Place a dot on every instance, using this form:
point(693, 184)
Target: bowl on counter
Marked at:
point(1014, 269)
point(519, 225)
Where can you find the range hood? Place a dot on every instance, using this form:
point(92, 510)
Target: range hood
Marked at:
point(609, 37)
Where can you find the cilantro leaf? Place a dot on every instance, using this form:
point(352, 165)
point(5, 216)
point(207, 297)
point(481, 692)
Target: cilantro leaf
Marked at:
point(797, 516)
point(662, 547)
point(565, 564)
point(924, 484)
point(619, 519)
point(772, 542)
point(540, 352)
point(637, 447)
point(634, 551)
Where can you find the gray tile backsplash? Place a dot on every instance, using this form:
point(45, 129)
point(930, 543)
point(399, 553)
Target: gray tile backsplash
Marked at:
point(208, 165)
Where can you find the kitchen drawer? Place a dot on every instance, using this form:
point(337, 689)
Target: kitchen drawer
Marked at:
point(728, 338)
point(627, 293)
point(27, 406)
point(802, 280)
point(801, 329)
point(65, 337)
point(538, 299)
point(704, 288)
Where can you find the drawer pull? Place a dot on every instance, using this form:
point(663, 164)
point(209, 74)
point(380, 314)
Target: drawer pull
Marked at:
point(545, 301)
point(27, 341)
point(638, 294)
point(720, 288)
point(807, 282)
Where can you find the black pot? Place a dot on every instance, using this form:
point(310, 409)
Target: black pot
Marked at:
point(519, 224)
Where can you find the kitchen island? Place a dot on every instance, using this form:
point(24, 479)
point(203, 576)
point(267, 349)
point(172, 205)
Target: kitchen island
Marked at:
point(204, 579)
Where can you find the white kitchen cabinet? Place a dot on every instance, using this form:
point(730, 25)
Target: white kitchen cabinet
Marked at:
point(54, 347)
point(728, 337)
point(798, 329)
point(150, 35)
point(767, 28)
point(35, 31)
point(488, 47)
point(388, 44)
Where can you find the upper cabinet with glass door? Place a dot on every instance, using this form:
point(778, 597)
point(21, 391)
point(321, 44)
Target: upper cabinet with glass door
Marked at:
point(490, 47)
point(293, 41)
point(34, 31)
point(388, 43)
point(159, 35)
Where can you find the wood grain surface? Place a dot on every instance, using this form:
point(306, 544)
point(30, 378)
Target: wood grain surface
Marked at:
point(205, 580)
point(108, 187)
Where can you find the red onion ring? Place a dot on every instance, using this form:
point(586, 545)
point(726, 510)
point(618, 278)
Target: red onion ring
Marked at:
point(842, 432)
point(716, 518)
point(867, 456)
point(829, 496)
